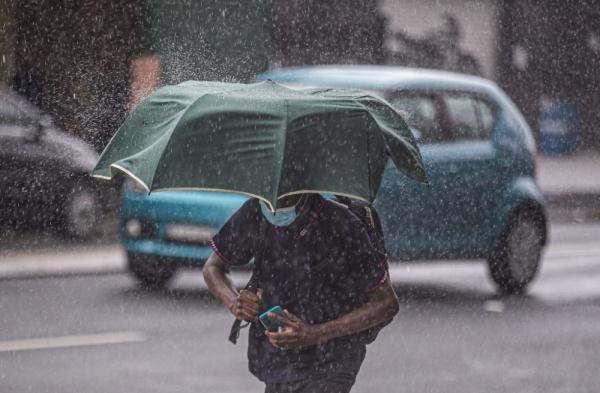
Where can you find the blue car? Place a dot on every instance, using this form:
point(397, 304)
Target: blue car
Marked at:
point(479, 152)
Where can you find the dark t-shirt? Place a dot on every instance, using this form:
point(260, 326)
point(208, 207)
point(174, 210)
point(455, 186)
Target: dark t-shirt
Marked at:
point(320, 267)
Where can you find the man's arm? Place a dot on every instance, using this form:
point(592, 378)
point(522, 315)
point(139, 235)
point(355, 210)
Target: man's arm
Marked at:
point(243, 305)
point(381, 306)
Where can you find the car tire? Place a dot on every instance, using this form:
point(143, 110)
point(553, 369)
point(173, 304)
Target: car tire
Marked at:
point(148, 270)
point(516, 259)
point(81, 212)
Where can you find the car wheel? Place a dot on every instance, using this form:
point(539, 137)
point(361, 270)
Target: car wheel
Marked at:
point(148, 270)
point(516, 259)
point(82, 212)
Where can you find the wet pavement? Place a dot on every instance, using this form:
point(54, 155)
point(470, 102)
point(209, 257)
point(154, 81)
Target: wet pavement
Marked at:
point(99, 333)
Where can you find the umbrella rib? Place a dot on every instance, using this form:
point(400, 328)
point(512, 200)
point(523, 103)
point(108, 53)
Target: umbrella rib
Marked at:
point(166, 189)
point(130, 174)
point(287, 123)
point(310, 191)
point(371, 196)
point(183, 112)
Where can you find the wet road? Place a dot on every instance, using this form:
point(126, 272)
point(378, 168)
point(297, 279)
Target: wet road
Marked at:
point(453, 334)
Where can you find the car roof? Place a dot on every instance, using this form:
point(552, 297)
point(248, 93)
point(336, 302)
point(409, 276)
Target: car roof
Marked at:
point(379, 77)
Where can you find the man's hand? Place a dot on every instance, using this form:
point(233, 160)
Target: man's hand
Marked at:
point(295, 333)
point(382, 305)
point(246, 305)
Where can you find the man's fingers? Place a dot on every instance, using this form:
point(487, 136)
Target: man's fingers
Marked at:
point(245, 312)
point(247, 293)
point(282, 337)
point(240, 303)
point(259, 293)
point(283, 321)
point(248, 313)
point(246, 304)
point(282, 340)
point(250, 309)
point(243, 301)
point(291, 316)
point(274, 341)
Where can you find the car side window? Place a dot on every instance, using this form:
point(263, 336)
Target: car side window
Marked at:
point(421, 114)
point(469, 117)
point(486, 116)
point(462, 117)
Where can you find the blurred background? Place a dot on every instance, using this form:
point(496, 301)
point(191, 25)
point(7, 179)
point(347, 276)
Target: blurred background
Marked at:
point(75, 68)
point(73, 58)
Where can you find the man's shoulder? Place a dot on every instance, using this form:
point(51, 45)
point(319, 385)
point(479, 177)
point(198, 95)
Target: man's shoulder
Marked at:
point(336, 208)
point(250, 209)
point(339, 214)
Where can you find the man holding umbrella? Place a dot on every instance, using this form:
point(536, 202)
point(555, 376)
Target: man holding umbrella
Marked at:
point(314, 258)
point(320, 266)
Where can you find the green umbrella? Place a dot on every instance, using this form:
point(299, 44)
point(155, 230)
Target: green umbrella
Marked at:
point(261, 139)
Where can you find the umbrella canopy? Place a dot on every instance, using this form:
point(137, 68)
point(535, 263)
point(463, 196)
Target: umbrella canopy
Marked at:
point(261, 139)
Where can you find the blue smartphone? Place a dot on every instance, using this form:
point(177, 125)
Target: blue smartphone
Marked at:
point(270, 325)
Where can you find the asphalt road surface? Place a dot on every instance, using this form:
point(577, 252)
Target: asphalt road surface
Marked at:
point(98, 333)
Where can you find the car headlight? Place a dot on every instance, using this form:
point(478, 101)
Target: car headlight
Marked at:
point(133, 227)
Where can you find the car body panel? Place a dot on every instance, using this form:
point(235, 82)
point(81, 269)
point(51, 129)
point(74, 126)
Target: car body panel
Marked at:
point(164, 208)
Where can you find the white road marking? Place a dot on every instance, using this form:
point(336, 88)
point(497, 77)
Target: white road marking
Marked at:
point(104, 259)
point(71, 341)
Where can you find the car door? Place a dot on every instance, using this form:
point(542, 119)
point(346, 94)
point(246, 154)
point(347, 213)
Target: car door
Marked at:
point(447, 219)
point(410, 211)
point(467, 171)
